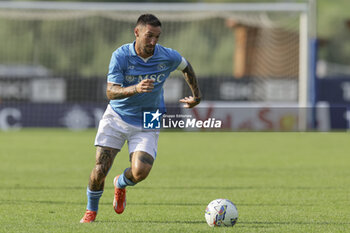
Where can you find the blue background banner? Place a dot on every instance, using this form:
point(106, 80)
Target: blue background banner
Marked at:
point(73, 116)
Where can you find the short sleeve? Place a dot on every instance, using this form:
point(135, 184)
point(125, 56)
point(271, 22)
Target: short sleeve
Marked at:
point(182, 65)
point(115, 70)
point(176, 58)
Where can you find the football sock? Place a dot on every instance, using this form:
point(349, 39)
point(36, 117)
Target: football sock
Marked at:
point(123, 181)
point(93, 199)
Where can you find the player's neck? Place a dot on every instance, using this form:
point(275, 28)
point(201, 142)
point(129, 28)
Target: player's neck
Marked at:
point(141, 54)
point(144, 56)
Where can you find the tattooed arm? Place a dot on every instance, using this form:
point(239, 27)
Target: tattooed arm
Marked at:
point(191, 80)
point(115, 91)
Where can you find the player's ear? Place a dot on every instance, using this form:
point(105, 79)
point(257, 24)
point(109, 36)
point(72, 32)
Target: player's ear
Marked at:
point(136, 31)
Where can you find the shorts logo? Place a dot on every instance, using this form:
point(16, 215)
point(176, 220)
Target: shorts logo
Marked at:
point(151, 120)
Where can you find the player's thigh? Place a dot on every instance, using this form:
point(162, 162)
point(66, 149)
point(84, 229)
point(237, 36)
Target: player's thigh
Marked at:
point(105, 155)
point(111, 131)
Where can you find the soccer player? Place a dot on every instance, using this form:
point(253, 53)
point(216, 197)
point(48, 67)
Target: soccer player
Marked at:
point(137, 72)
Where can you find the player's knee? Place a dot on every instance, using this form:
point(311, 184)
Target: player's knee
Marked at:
point(139, 175)
point(101, 171)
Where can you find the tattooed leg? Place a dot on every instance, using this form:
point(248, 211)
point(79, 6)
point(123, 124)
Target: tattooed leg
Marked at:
point(141, 165)
point(104, 160)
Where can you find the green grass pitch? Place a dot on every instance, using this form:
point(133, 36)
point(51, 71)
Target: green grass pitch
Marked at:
point(280, 182)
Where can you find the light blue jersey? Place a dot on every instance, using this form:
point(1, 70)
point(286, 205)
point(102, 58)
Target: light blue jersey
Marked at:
point(127, 68)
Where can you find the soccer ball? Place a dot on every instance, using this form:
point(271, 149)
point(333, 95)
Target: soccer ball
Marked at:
point(221, 212)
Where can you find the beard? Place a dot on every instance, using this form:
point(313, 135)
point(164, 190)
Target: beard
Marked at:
point(148, 50)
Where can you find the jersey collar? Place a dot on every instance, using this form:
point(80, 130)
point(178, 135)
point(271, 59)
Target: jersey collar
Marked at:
point(132, 49)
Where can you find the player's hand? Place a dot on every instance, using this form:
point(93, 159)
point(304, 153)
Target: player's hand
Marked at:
point(145, 85)
point(190, 102)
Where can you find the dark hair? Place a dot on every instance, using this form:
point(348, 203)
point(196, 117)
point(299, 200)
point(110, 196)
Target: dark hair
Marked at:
point(148, 19)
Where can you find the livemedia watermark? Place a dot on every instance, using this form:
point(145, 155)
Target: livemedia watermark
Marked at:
point(249, 117)
point(158, 120)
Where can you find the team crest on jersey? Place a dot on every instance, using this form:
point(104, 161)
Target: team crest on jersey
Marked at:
point(161, 66)
point(131, 67)
point(130, 78)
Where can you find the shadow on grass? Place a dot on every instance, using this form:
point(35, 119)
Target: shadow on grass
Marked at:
point(292, 223)
point(239, 223)
point(49, 202)
point(21, 187)
point(52, 202)
point(153, 222)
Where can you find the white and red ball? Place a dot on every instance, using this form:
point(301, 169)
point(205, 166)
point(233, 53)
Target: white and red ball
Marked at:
point(221, 212)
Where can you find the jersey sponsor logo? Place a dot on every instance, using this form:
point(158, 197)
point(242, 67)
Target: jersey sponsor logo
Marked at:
point(158, 78)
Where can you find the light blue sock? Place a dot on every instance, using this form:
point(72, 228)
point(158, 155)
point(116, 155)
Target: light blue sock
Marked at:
point(123, 181)
point(93, 199)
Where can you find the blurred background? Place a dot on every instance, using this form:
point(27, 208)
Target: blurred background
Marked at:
point(257, 64)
